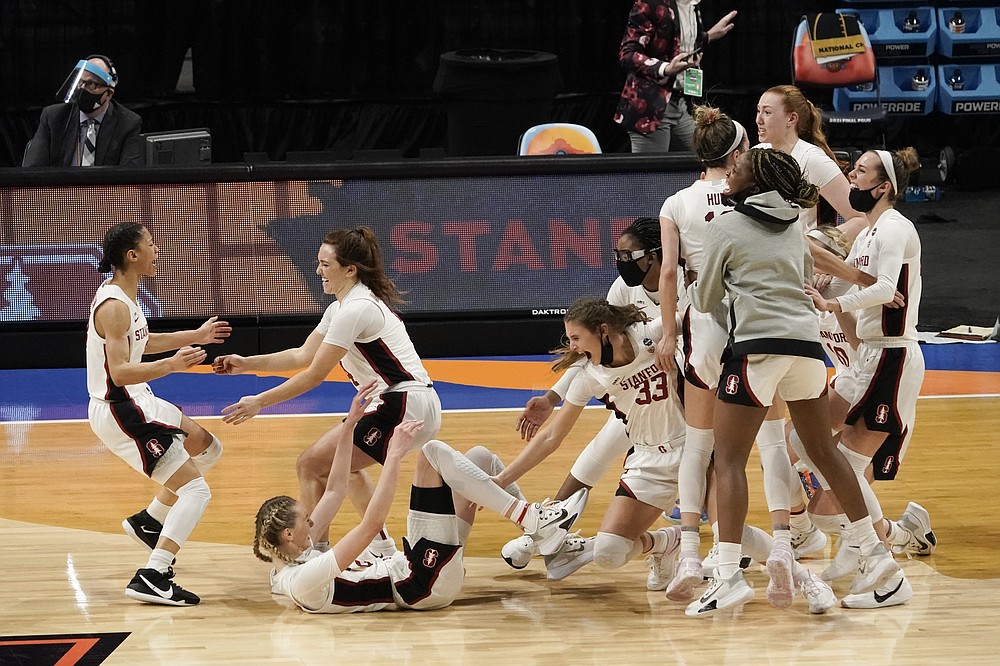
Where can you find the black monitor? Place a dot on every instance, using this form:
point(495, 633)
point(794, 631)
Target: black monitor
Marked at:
point(178, 147)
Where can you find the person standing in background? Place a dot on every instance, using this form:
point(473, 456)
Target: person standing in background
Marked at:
point(88, 128)
point(663, 38)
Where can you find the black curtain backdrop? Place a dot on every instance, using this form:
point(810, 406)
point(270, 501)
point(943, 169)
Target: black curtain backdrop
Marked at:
point(345, 76)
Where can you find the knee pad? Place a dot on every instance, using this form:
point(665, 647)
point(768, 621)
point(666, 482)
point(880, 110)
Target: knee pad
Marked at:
point(485, 460)
point(827, 524)
point(206, 459)
point(858, 461)
point(197, 489)
point(192, 500)
point(612, 551)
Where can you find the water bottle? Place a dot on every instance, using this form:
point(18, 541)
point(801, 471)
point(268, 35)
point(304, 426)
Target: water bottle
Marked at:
point(920, 80)
point(957, 23)
point(956, 80)
point(922, 193)
point(912, 23)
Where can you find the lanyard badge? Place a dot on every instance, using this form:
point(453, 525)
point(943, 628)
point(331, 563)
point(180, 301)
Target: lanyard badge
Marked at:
point(693, 82)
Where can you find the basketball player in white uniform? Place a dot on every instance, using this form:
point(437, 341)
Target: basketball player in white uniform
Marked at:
point(148, 433)
point(638, 262)
point(429, 573)
point(370, 342)
point(880, 390)
point(684, 219)
point(618, 343)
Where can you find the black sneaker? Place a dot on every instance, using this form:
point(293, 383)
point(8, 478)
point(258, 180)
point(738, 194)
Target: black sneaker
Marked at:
point(143, 528)
point(153, 587)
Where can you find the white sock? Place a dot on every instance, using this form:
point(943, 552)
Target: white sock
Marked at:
point(729, 559)
point(160, 560)
point(782, 537)
point(800, 521)
point(862, 533)
point(690, 540)
point(158, 510)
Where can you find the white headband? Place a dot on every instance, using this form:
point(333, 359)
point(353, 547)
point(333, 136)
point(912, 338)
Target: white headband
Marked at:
point(740, 134)
point(886, 158)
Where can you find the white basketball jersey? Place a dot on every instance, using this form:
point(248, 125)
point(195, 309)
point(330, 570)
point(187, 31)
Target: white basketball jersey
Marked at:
point(641, 395)
point(99, 383)
point(692, 209)
point(622, 294)
point(889, 250)
point(384, 353)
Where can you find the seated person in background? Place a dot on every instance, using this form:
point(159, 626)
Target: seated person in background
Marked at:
point(88, 128)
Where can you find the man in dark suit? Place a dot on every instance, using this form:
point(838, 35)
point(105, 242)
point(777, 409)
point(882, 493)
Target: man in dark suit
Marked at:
point(90, 128)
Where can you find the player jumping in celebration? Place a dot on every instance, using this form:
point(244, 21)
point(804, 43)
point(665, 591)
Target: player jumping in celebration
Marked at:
point(148, 433)
point(369, 340)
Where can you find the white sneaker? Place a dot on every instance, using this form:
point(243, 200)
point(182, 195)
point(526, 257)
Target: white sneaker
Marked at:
point(895, 592)
point(687, 577)
point(575, 553)
point(661, 566)
point(876, 569)
point(781, 588)
point(518, 552)
point(819, 595)
point(808, 542)
point(845, 562)
point(917, 521)
point(553, 520)
point(727, 593)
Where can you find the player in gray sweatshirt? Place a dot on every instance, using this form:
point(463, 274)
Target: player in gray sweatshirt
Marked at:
point(757, 255)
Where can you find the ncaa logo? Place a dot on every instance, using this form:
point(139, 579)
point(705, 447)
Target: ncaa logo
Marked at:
point(372, 437)
point(882, 413)
point(430, 558)
point(153, 446)
point(889, 463)
point(732, 384)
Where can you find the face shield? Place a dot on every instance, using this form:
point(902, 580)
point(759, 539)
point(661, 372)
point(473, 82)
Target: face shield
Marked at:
point(86, 76)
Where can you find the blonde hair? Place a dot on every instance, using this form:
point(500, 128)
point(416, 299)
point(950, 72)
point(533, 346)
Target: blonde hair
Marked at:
point(838, 243)
point(810, 124)
point(273, 516)
point(591, 313)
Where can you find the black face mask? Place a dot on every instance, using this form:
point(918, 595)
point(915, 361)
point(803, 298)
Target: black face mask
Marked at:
point(607, 352)
point(863, 200)
point(88, 101)
point(631, 273)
